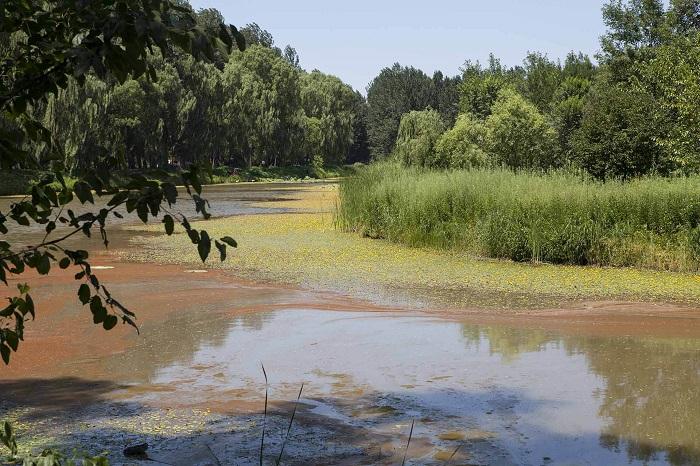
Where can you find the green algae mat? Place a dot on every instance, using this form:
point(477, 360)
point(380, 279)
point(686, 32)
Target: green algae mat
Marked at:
point(304, 247)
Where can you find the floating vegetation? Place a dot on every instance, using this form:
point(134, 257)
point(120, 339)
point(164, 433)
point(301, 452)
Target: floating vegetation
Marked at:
point(306, 249)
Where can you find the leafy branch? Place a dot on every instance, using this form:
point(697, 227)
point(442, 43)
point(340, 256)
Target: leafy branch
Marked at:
point(50, 206)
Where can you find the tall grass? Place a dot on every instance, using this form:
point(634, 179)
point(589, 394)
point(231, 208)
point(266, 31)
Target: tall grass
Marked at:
point(560, 218)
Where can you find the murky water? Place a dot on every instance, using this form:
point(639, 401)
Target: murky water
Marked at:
point(534, 394)
point(532, 390)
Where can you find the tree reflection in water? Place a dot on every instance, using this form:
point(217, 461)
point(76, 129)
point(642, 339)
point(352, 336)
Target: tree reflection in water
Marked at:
point(651, 399)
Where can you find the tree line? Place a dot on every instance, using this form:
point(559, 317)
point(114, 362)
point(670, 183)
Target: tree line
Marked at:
point(251, 108)
point(635, 112)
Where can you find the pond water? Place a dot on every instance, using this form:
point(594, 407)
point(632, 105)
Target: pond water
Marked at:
point(568, 389)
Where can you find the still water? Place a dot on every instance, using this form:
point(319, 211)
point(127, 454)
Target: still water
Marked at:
point(535, 396)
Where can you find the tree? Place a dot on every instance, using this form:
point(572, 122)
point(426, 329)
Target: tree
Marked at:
point(331, 103)
point(415, 143)
point(255, 35)
point(396, 91)
point(635, 27)
point(672, 76)
point(542, 77)
point(291, 55)
point(619, 133)
point(518, 135)
point(567, 111)
point(480, 87)
point(265, 111)
point(578, 65)
point(359, 151)
point(114, 40)
point(462, 146)
point(446, 96)
point(67, 40)
point(684, 16)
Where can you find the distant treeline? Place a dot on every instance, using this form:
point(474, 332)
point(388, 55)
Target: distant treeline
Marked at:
point(258, 108)
point(637, 112)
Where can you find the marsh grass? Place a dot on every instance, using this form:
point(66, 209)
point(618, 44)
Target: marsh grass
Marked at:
point(560, 218)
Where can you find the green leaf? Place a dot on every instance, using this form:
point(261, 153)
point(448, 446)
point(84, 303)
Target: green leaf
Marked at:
point(5, 353)
point(64, 263)
point(110, 322)
point(222, 250)
point(230, 241)
point(99, 313)
point(12, 339)
point(169, 224)
point(169, 192)
point(84, 293)
point(83, 192)
point(118, 198)
point(204, 245)
point(43, 265)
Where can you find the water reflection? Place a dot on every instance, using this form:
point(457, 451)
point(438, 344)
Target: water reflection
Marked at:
point(570, 397)
point(650, 398)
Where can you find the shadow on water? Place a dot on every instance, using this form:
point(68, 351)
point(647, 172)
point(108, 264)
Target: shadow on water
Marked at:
point(371, 429)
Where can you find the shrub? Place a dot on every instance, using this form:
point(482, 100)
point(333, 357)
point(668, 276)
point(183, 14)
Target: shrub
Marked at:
point(462, 145)
point(518, 135)
point(418, 133)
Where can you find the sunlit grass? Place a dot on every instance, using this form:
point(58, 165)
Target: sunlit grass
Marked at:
point(558, 218)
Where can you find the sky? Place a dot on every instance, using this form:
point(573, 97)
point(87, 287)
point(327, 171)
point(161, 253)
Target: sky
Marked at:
point(355, 39)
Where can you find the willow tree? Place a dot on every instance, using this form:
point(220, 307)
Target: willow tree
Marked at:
point(51, 44)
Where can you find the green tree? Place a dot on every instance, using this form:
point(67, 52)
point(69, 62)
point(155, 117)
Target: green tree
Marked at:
point(462, 146)
point(673, 77)
point(542, 78)
point(265, 110)
point(578, 65)
point(619, 133)
point(567, 110)
point(518, 135)
point(480, 87)
point(396, 91)
point(446, 96)
point(418, 133)
point(359, 151)
point(332, 103)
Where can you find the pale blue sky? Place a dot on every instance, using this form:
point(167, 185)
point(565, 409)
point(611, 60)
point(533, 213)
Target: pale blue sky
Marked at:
point(355, 39)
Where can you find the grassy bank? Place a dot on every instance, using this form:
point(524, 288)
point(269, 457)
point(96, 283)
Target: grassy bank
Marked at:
point(14, 182)
point(557, 218)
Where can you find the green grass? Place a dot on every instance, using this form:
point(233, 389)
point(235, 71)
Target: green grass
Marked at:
point(557, 218)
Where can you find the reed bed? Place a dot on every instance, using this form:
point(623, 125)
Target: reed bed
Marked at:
point(560, 218)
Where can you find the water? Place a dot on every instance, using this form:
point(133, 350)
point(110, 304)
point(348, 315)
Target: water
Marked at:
point(615, 388)
point(539, 394)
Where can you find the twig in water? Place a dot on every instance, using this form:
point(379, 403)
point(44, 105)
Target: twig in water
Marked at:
point(408, 444)
point(218, 462)
point(289, 428)
point(262, 439)
point(449, 460)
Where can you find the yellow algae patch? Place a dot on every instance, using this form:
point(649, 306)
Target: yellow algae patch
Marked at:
point(453, 435)
point(306, 249)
